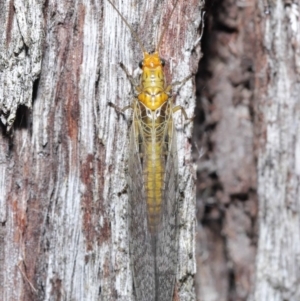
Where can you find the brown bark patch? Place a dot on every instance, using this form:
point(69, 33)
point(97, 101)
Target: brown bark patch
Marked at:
point(75, 61)
point(32, 235)
point(70, 39)
point(90, 207)
point(105, 227)
point(56, 288)
point(95, 230)
point(19, 220)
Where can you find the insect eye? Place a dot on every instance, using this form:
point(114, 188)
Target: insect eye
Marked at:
point(141, 64)
point(163, 62)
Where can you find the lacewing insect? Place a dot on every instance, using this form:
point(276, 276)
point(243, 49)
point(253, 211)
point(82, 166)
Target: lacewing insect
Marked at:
point(152, 178)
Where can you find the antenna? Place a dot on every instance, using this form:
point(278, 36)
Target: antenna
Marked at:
point(132, 31)
point(167, 25)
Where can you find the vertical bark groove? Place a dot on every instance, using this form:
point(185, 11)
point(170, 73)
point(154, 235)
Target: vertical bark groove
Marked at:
point(226, 198)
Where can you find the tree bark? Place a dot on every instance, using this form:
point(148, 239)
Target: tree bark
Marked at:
point(249, 116)
point(63, 202)
point(226, 198)
point(277, 93)
point(21, 49)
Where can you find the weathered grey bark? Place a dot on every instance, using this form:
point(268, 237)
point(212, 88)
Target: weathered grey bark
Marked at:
point(277, 94)
point(250, 112)
point(63, 219)
point(21, 47)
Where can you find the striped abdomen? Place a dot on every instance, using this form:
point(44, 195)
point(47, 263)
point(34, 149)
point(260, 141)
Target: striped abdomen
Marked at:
point(154, 177)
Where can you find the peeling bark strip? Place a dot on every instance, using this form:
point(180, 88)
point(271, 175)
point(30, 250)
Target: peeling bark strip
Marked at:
point(63, 194)
point(21, 43)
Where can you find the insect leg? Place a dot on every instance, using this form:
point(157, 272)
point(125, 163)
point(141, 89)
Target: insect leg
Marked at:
point(118, 109)
point(130, 77)
point(177, 108)
point(182, 82)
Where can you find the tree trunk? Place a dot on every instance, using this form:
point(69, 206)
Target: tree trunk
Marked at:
point(277, 92)
point(249, 116)
point(227, 202)
point(63, 201)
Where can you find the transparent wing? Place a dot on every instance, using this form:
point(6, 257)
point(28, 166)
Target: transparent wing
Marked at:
point(166, 241)
point(153, 254)
point(140, 240)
